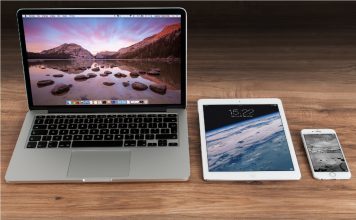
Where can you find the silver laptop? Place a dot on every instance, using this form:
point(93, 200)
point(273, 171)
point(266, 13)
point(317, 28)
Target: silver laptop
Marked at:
point(106, 92)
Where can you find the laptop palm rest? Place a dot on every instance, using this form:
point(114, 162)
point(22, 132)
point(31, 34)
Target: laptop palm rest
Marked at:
point(97, 164)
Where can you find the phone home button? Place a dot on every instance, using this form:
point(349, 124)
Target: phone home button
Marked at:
point(332, 174)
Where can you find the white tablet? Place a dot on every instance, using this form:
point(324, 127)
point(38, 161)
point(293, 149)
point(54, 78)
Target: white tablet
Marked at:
point(246, 139)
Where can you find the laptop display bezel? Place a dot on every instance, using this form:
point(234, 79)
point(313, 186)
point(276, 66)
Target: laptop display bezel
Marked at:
point(122, 11)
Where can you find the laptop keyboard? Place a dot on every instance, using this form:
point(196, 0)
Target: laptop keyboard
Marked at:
point(104, 130)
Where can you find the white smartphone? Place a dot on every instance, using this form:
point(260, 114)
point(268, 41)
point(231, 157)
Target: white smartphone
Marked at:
point(326, 158)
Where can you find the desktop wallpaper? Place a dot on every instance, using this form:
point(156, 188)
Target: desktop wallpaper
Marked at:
point(100, 60)
point(246, 138)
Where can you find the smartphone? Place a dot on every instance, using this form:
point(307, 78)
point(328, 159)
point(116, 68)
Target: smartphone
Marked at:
point(326, 158)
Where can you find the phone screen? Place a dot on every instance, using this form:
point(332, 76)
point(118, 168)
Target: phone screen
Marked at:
point(325, 153)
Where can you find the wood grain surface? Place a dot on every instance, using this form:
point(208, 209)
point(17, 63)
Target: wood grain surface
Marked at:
point(303, 53)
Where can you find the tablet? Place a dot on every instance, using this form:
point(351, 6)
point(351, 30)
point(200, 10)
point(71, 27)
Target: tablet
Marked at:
point(246, 139)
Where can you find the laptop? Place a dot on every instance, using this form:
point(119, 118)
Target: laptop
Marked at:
point(106, 92)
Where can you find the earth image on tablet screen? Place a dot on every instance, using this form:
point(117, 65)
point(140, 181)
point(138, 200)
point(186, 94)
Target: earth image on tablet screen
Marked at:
point(256, 144)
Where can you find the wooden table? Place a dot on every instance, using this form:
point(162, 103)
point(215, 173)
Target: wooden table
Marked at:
point(310, 64)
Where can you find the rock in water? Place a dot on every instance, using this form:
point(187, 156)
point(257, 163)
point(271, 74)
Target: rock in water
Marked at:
point(43, 83)
point(58, 75)
point(126, 84)
point(42, 67)
point(102, 66)
point(160, 89)
point(103, 74)
point(134, 74)
point(60, 89)
point(107, 72)
point(139, 86)
point(119, 75)
point(91, 75)
point(47, 75)
point(108, 83)
point(80, 78)
point(96, 69)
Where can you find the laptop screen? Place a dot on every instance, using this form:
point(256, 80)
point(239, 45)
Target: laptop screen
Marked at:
point(103, 59)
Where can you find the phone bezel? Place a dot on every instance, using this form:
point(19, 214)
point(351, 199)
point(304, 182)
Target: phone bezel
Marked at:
point(325, 175)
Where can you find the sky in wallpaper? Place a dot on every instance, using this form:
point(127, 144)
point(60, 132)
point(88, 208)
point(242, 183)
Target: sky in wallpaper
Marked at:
point(93, 34)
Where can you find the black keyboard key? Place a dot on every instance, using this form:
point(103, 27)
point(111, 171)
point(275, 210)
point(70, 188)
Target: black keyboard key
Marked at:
point(112, 126)
point(53, 132)
point(147, 120)
point(39, 132)
point(165, 131)
point(173, 144)
point(157, 120)
point(63, 132)
point(132, 125)
point(72, 126)
point(46, 138)
point(67, 137)
point(124, 131)
point(104, 131)
point(62, 126)
point(31, 144)
point(35, 138)
point(119, 137)
point(74, 132)
point(142, 125)
point(129, 136)
point(166, 136)
point(138, 120)
point(92, 126)
point(122, 125)
point(150, 136)
point(94, 131)
point(40, 116)
point(108, 120)
point(141, 143)
point(128, 120)
point(64, 144)
point(174, 130)
point(102, 126)
point(82, 126)
point(162, 143)
point(152, 125)
point(108, 137)
point(139, 136)
point(84, 132)
point(134, 131)
point(170, 120)
point(162, 125)
point(40, 127)
point(57, 138)
point(130, 143)
point(97, 144)
point(114, 131)
point(144, 131)
point(98, 137)
point(52, 144)
point(152, 144)
point(172, 115)
point(172, 125)
point(88, 137)
point(154, 131)
point(39, 121)
point(42, 144)
point(52, 126)
point(78, 137)
point(49, 121)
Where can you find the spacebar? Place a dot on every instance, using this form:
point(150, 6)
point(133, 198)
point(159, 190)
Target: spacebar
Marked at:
point(97, 144)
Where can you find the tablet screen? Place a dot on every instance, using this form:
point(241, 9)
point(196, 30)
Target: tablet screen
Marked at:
point(246, 138)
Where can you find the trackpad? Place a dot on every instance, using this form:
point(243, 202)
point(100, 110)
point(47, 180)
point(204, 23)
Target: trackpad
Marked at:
point(89, 164)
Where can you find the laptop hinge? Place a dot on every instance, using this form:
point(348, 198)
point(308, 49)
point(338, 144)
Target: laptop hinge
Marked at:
point(108, 110)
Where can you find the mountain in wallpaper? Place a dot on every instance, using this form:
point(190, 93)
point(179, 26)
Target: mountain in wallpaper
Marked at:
point(165, 44)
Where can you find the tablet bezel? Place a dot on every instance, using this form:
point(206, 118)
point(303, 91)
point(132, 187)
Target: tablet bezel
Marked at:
point(247, 175)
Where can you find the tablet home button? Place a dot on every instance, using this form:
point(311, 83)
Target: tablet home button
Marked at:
point(332, 174)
